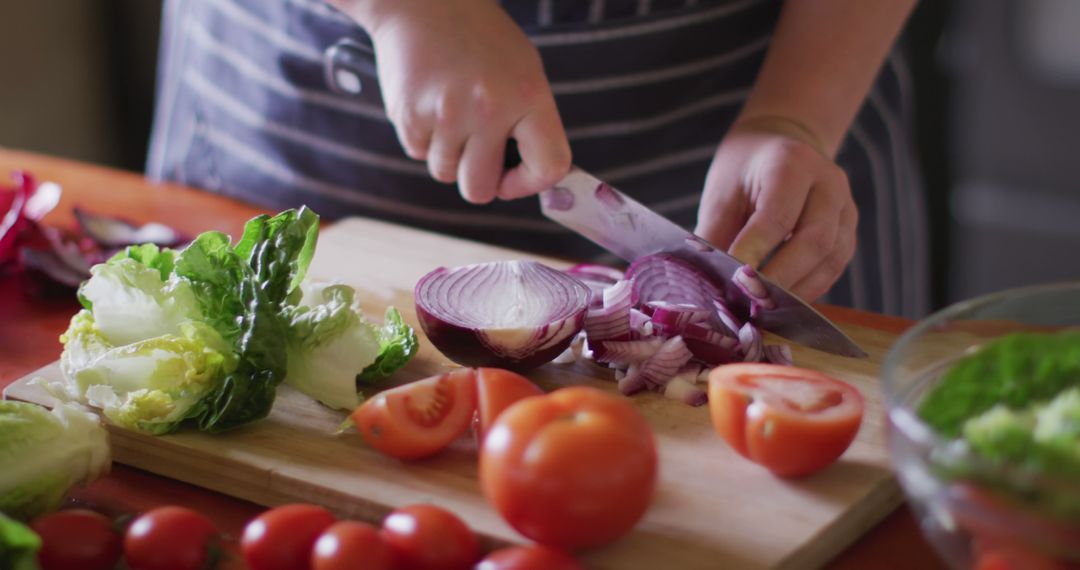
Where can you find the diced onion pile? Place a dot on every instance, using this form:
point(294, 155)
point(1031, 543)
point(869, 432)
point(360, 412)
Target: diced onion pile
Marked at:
point(664, 324)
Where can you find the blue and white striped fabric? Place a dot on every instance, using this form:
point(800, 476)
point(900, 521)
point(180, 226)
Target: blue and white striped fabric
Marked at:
point(646, 89)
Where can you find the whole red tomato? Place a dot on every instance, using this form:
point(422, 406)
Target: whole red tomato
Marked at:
point(426, 537)
point(792, 421)
point(571, 469)
point(169, 538)
point(77, 539)
point(532, 557)
point(351, 545)
point(283, 537)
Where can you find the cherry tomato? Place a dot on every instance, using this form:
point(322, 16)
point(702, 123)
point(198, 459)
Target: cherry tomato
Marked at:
point(497, 389)
point(169, 538)
point(791, 420)
point(283, 537)
point(77, 539)
point(426, 537)
point(350, 545)
point(571, 469)
point(532, 557)
point(420, 418)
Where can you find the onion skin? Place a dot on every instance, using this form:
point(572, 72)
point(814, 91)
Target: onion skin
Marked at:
point(473, 346)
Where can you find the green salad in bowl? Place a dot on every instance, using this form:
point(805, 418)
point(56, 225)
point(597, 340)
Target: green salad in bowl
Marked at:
point(984, 416)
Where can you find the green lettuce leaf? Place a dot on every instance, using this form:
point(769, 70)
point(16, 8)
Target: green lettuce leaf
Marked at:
point(44, 453)
point(330, 343)
point(244, 290)
point(397, 345)
point(18, 545)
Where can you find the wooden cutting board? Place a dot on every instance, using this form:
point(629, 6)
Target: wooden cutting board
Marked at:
point(712, 508)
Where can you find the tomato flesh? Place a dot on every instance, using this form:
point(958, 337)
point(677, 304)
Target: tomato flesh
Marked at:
point(77, 539)
point(348, 545)
point(571, 469)
point(498, 389)
point(283, 537)
point(169, 538)
point(420, 418)
point(426, 537)
point(790, 420)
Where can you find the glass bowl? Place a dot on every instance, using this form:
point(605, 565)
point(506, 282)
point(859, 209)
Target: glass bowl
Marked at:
point(977, 513)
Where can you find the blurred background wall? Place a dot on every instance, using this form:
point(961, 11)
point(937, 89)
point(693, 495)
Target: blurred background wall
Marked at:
point(998, 125)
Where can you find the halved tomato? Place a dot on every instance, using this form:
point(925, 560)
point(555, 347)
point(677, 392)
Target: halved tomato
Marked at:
point(496, 390)
point(791, 420)
point(420, 418)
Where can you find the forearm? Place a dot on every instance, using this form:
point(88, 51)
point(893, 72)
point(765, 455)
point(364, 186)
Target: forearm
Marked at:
point(822, 61)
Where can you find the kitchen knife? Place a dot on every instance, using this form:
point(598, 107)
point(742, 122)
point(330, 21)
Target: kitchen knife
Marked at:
point(631, 230)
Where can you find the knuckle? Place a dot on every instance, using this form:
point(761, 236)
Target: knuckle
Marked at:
point(447, 110)
point(820, 240)
point(780, 222)
point(554, 169)
point(485, 100)
point(442, 170)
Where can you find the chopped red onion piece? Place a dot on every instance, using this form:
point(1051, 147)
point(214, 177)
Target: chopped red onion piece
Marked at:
point(557, 198)
point(711, 347)
point(686, 392)
point(639, 321)
point(52, 266)
point(633, 381)
point(510, 314)
point(625, 352)
point(666, 362)
point(42, 201)
point(607, 323)
point(663, 277)
point(779, 354)
point(619, 296)
point(596, 272)
point(672, 319)
point(596, 278)
point(727, 317)
point(750, 343)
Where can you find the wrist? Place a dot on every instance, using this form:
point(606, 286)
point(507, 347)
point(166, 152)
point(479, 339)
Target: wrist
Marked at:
point(787, 126)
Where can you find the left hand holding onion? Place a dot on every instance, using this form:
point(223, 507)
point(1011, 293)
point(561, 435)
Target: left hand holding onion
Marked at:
point(772, 186)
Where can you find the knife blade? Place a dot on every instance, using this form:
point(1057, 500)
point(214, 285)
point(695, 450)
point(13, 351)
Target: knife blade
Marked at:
point(629, 229)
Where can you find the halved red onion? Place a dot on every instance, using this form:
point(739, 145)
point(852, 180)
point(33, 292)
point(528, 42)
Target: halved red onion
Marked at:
point(510, 314)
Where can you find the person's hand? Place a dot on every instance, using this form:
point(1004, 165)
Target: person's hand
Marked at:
point(460, 78)
point(771, 187)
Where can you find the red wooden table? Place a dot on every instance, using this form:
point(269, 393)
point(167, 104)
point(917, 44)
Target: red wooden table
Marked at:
point(29, 331)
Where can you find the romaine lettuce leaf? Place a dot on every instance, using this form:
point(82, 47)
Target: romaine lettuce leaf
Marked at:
point(18, 545)
point(330, 343)
point(397, 344)
point(44, 453)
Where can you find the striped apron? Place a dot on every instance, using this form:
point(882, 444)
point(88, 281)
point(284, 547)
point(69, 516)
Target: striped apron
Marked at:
point(646, 90)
